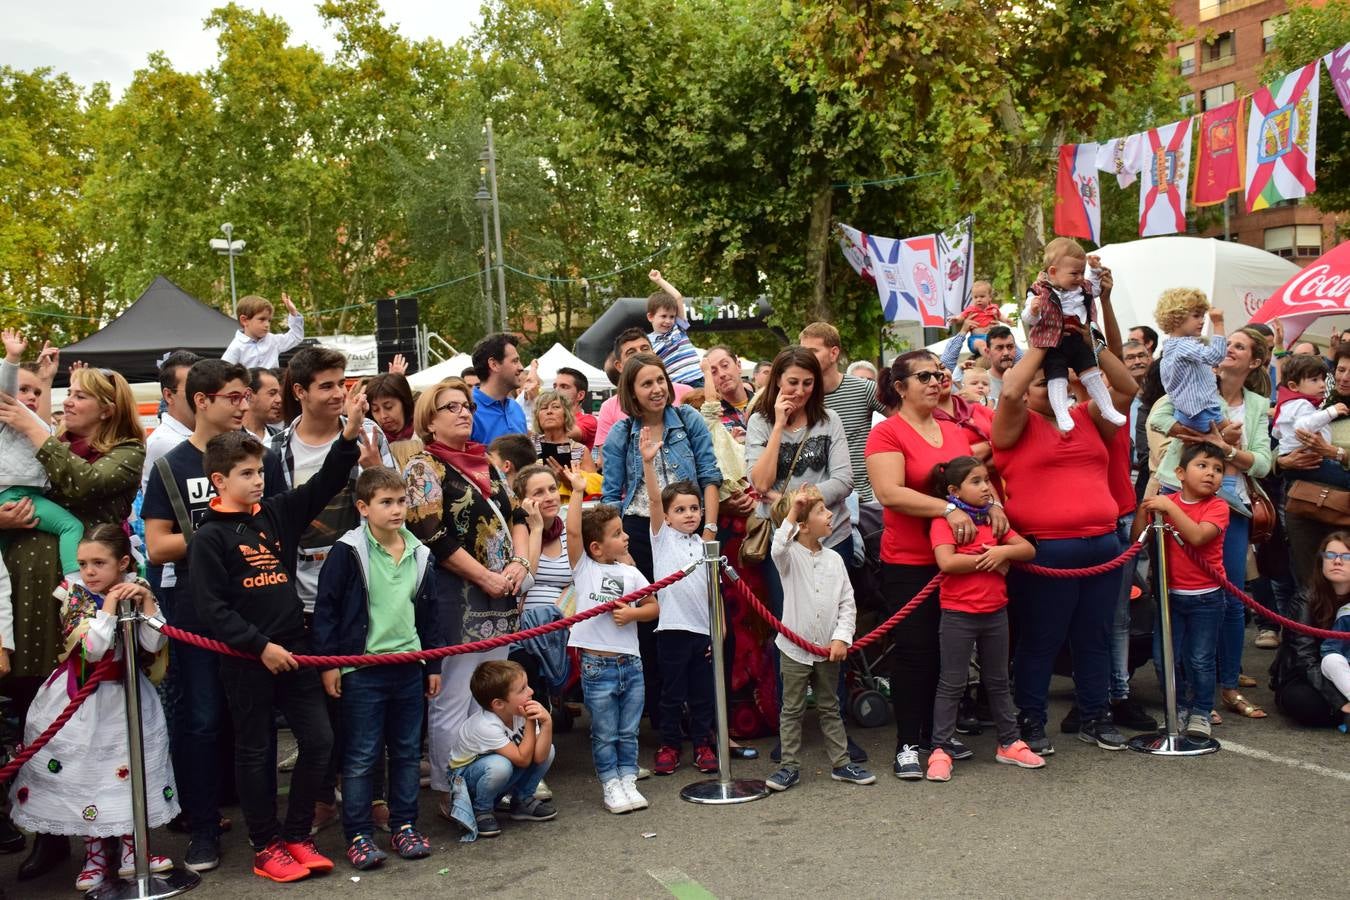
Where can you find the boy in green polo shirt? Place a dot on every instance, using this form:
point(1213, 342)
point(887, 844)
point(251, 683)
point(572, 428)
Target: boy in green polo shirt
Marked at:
point(377, 595)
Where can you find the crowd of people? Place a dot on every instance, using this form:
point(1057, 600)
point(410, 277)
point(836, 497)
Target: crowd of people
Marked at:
point(284, 512)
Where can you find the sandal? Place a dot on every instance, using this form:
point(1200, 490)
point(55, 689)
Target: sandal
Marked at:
point(1239, 704)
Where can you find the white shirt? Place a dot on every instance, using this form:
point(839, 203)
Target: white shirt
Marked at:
point(265, 351)
point(482, 734)
point(308, 461)
point(817, 595)
point(684, 604)
point(598, 583)
point(168, 435)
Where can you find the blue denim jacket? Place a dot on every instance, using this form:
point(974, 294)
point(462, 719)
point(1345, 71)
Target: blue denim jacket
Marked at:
point(688, 448)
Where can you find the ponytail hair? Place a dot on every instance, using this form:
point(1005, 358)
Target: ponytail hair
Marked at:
point(948, 476)
point(110, 536)
point(888, 383)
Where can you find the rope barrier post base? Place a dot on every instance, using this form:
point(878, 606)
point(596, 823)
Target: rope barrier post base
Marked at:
point(1169, 741)
point(721, 790)
point(144, 885)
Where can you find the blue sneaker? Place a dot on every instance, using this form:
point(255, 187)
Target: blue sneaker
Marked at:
point(853, 774)
point(783, 779)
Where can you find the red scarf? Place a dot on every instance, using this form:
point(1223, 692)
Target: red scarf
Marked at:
point(471, 462)
point(403, 435)
point(554, 531)
point(1284, 395)
point(81, 447)
point(962, 414)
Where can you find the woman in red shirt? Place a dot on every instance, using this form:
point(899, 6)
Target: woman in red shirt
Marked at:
point(901, 453)
point(1058, 493)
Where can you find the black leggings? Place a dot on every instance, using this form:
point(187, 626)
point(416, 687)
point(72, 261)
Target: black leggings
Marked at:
point(914, 652)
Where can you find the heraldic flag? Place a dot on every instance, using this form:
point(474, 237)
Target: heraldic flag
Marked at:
point(1078, 206)
point(1338, 67)
point(854, 244)
point(1162, 189)
point(1282, 139)
point(1218, 164)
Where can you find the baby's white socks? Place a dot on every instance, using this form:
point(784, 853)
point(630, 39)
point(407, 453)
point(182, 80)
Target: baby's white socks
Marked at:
point(1097, 389)
point(1058, 389)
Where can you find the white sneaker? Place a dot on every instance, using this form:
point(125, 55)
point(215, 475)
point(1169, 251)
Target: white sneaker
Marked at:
point(643, 773)
point(543, 792)
point(616, 798)
point(635, 799)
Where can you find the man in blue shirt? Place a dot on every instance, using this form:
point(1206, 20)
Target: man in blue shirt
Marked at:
point(497, 364)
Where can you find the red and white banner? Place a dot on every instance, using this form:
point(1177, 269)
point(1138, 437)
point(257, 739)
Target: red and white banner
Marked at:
point(1282, 139)
point(1162, 190)
point(1078, 195)
point(1218, 161)
point(1321, 289)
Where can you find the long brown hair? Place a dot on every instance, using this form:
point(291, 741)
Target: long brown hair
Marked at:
point(628, 401)
point(114, 394)
point(786, 359)
point(1322, 599)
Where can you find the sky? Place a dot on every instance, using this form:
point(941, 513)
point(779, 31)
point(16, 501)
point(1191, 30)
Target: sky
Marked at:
point(105, 40)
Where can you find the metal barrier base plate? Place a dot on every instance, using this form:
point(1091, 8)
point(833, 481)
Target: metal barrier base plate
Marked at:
point(718, 793)
point(166, 884)
point(1163, 744)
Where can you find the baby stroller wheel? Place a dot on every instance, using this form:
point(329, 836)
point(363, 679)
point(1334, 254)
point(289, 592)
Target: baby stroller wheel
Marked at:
point(869, 708)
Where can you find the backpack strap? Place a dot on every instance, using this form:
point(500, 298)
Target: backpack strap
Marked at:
point(180, 511)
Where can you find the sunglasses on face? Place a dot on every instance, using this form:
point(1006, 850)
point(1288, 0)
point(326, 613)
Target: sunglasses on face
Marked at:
point(1332, 556)
point(926, 377)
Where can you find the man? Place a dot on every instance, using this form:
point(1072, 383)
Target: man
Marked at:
point(177, 496)
point(1146, 336)
point(863, 369)
point(496, 362)
point(470, 377)
point(629, 343)
point(572, 384)
point(721, 365)
point(1001, 351)
point(761, 376)
point(263, 417)
point(853, 398)
point(175, 423)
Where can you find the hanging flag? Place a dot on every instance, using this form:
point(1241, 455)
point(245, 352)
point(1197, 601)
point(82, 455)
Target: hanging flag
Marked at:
point(1338, 67)
point(909, 278)
point(956, 252)
point(1078, 208)
point(1282, 139)
point(1218, 164)
point(854, 244)
point(1124, 156)
point(1162, 190)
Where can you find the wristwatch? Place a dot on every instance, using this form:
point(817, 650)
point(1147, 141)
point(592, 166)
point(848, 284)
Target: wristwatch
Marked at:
point(1231, 454)
point(710, 527)
point(951, 508)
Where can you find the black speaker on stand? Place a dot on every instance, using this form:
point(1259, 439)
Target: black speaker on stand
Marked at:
point(396, 331)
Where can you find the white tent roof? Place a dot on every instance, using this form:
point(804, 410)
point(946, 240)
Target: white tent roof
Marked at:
point(559, 357)
point(941, 345)
point(1237, 278)
point(450, 368)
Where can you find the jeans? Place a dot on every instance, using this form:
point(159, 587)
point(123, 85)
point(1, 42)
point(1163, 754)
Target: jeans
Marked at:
point(639, 531)
point(1047, 610)
point(381, 707)
point(491, 776)
point(1203, 420)
point(253, 693)
point(824, 676)
point(960, 633)
point(449, 709)
point(686, 677)
point(1196, 620)
point(1233, 632)
point(914, 652)
point(1120, 625)
point(612, 687)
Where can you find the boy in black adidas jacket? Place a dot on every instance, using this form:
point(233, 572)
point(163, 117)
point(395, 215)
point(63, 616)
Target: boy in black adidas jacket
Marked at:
point(243, 588)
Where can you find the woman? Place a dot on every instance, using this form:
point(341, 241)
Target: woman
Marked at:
point(537, 531)
point(459, 506)
point(553, 421)
point(1306, 534)
point(974, 420)
point(391, 408)
point(95, 471)
point(1056, 489)
point(901, 454)
point(1244, 389)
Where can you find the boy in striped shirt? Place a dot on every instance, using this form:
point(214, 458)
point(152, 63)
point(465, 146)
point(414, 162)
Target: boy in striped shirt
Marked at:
point(669, 337)
point(1188, 361)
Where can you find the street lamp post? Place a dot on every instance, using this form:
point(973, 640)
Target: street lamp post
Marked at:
point(231, 248)
point(484, 200)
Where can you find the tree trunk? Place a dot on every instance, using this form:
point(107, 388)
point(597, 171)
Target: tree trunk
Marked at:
point(818, 246)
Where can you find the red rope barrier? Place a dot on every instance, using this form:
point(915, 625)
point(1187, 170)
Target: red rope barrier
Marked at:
point(374, 659)
point(1246, 598)
point(1130, 553)
point(90, 685)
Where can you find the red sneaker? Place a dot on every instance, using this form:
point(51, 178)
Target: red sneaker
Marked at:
point(667, 761)
point(275, 862)
point(705, 759)
point(306, 854)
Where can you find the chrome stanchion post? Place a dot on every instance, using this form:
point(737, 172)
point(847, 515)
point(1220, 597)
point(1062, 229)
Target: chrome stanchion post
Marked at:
point(722, 789)
point(144, 885)
point(1169, 741)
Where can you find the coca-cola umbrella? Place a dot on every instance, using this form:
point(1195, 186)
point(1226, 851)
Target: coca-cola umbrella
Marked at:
point(1322, 288)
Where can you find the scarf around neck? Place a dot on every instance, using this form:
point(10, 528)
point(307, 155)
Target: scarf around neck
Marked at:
point(978, 514)
point(962, 414)
point(471, 462)
point(81, 447)
point(1283, 395)
point(402, 435)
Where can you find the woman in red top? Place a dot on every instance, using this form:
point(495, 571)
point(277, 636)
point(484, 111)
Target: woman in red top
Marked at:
point(976, 421)
point(1057, 492)
point(901, 454)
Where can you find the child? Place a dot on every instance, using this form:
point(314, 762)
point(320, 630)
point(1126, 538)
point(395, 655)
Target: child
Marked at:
point(79, 782)
point(682, 641)
point(246, 597)
point(1200, 517)
point(1303, 381)
point(669, 335)
point(818, 605)
point(1329, 608)
point(975, 386)
point(974, 601)
point(23, 476)
point(511, 453)
point(611, 667)
point(506, 749)
point(977, 318)
point(1059, 311)
point(1187, 366)
point(377, 594)
point(254, 345)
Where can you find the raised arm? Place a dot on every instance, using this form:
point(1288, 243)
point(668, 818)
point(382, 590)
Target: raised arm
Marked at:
point(1010, 418)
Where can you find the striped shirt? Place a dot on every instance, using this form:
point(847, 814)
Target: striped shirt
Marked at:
point(1188, 372)
point(854, 401)
point(679, 356)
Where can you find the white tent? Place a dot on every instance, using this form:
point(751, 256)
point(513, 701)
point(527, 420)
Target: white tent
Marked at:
point(1237, 278)
point(941, 345)
point(559, 357)
point(450, 368)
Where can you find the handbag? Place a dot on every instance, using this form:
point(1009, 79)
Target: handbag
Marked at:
point(1263, 513)
point(759, 529)
point(1311, 500)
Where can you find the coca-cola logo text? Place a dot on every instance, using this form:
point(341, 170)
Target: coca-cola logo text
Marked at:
point(1316, 288)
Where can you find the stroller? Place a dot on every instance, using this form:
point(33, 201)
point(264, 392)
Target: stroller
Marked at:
point(869, 692)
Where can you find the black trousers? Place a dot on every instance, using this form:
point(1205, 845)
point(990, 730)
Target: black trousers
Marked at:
point(914, 652)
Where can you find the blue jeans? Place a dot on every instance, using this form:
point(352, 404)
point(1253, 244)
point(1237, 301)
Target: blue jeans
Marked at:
point(382, 707)
point(1203, 420)
point(613, 689)
point(1196, 620)
point(1233, 632)
point(1049, 609)
point(492, 776)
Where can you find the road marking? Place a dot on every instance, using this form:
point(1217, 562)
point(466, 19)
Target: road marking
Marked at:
point(1243, 750)
point(681, 885)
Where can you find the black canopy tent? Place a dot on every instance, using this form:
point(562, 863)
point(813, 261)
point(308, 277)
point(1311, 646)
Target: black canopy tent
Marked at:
point(162, 319)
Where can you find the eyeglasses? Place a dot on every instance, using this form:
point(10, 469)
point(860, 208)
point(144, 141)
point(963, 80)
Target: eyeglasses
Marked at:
point(456, 407)
point(234, 398)
point(1332, 556)
point(925, 377)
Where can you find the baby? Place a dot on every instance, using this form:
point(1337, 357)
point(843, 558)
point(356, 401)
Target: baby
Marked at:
point(977, 318)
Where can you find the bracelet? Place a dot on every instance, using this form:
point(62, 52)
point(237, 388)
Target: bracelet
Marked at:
point(524, 563)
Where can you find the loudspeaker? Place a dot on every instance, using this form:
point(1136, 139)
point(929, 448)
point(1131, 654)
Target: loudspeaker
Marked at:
point(396, 331)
